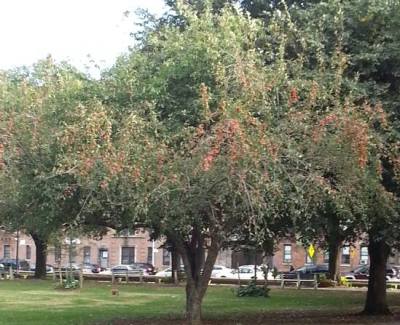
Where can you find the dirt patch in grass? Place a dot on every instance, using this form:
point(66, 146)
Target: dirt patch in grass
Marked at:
point(273, 318)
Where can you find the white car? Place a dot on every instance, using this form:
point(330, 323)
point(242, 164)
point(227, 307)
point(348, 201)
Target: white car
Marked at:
point(220, 271)
point(167, 273)
point(246, 272)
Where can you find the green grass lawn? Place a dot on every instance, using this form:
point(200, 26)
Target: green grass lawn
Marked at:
point(31, 302)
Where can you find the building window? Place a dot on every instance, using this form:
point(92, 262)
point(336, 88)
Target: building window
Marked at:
point(127, 255)
point(103, 257)
point(326, 257)
point(166, 258)
point(57, 254)
point(287, 253)
point(127, 233)
point(7, 251)
point(363, 255)
point(86, 254)
point(150, 255)
point(28, 252)
point(345, 255)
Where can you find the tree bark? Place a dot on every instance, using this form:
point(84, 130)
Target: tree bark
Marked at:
point(193, 304)
point(376, 303)
point(334, 237)
point(175, 265)
point(41, 256)
point(333, 249)
point(198, 270)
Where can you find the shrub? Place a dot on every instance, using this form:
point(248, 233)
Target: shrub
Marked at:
point(252, 290)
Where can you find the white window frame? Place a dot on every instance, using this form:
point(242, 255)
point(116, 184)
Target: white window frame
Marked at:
point(364, 258)
point(287, 253)
point(347, 248)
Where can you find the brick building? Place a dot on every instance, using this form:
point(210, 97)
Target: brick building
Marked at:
point(112, 249)
point(126, 248)
point(291, 253)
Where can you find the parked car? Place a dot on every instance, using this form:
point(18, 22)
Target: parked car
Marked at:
point(123, 270)
point(12, 262)
point(246, 272)
point(90, 268)
point(49, 268)
point(359, 273)
point(97, 268)
point(167, 273)
point(147, 268)
point(71, 267)
point(362, 273)
point(220, 271)
point(307, 271)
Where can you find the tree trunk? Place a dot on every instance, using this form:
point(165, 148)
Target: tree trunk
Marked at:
point(41, 256)
point(376, 303)
point(198, 270)
point(193, 304)
point(175, 265)
point(333, 250)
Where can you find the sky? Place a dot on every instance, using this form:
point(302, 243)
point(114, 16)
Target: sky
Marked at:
point(68, 30)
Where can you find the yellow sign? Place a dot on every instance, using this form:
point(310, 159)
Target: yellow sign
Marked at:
point(311, 251)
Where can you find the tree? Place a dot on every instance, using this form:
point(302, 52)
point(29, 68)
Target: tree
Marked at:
point(185, 155)
point(34, 103)
point(369, 39)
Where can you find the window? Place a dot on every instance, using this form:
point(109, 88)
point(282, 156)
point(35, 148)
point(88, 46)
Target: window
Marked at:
point(363, 255)
point(345, 255)
point(150, 255)
point(103, 257)
point(287, 253)
point(326, 257)
point(28, 252)
point(86, 254)
point(127, 255)
point(57, 254)
point(166, 257)
point(7, 251)
point(127, 233)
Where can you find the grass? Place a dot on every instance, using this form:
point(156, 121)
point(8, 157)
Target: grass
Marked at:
point(34, 302)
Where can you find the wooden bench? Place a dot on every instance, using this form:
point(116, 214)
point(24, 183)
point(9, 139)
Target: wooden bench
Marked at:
point(364, 283)
point(298, 281)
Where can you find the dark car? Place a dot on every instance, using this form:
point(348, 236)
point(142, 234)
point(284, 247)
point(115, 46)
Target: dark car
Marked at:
point(307, 271)
point(97, 268)
point(147, 268)
point(359, 273)
point(91, 268)
point(12, 262)
point(362, 273)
